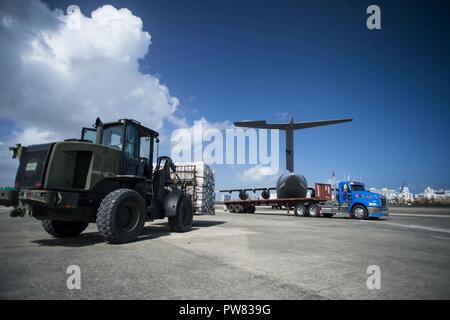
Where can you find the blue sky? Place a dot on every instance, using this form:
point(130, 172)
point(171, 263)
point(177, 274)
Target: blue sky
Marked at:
point(233, 60)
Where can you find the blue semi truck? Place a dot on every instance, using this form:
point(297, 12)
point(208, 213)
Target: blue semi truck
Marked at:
point(348, 198)
point(354, 200)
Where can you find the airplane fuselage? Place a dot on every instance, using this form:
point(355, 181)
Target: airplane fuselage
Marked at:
point(291, 185)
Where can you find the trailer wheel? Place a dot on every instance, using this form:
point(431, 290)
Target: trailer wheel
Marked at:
point(239, 208)
point(182, 222)
point(231, 208)
point(359, 212)
point(300, 210)
point(251, 209)
point(313, 210)
point(121, 216)
point(64, 229)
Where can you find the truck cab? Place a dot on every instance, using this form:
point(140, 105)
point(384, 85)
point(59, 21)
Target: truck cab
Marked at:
point(359, 203)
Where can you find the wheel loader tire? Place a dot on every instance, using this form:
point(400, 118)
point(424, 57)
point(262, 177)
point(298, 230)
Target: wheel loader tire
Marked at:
point(182, 221)
point(121, 216)
point(64, 229)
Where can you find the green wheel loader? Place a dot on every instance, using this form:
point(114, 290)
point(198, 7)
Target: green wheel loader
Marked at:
point(106, 177)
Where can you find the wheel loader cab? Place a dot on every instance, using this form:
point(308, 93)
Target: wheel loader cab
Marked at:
point(129, 136)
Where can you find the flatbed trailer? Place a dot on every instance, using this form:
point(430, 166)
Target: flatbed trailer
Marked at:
point(301, 206)
point(350, 198)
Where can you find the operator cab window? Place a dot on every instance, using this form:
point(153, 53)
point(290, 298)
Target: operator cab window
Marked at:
point(145, 148)
point(112, 137)
point(89, 134)
point(132, 142)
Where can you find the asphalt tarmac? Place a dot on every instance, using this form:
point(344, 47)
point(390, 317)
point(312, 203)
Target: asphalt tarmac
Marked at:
point(267, 255)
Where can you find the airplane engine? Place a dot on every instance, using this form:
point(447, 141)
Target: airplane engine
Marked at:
point(243, 195)
point(265, 194)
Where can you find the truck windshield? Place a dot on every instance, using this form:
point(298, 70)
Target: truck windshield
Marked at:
point(358, 187)
point(112, 137)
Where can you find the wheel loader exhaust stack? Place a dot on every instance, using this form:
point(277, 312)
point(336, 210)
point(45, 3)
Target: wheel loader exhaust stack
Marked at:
point(99, 133)
point(106, 177)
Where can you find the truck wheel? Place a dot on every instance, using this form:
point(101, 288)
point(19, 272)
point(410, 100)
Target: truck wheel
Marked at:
point(182, 221)
point(300, 210)
point(359, 212)
point(121, 216)
point(313, 210)
point(64, 229)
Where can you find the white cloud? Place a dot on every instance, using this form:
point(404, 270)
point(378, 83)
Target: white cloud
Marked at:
point(58, 77)
point(223, 125)
point(60, 71)
point(284, 116)
point(258, 173)
point(32, 136)
point(201, 125)
point(188, 142)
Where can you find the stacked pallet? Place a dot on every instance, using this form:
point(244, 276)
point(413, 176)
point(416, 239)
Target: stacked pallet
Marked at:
point(199, 181)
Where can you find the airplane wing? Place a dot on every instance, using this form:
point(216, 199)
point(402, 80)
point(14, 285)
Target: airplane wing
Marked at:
point(230, 190)
point(248, 189)
point(312, 124)
point(235, 190)
point(262, 189)
point(260, 124)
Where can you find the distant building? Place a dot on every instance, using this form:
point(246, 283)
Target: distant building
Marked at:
point(390, 194)
point(406, 196)
point(429, 195)
point(434, 195)
point(395, 197)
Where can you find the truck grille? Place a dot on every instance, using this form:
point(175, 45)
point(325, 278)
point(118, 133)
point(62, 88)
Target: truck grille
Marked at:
point(383, 202)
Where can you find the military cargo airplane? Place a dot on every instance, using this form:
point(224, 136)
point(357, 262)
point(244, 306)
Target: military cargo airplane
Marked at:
point(289, 184)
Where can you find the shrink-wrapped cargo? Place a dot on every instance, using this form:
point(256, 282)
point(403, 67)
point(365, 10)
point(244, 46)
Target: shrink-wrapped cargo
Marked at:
point(199, 181)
